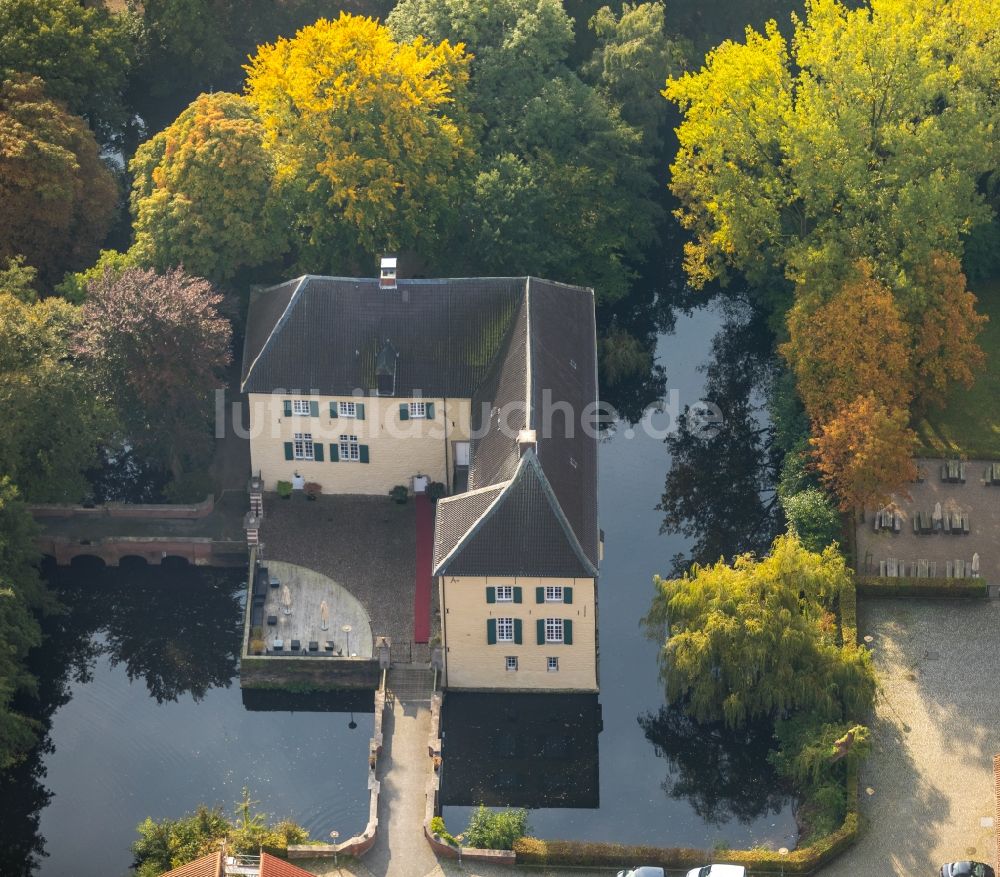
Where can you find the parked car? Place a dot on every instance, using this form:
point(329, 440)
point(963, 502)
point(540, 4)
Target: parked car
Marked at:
point(966, 869)
point(642, 871)
point(718, 871)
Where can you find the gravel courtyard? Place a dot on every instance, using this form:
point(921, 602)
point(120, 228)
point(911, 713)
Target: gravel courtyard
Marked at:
point(935, 733)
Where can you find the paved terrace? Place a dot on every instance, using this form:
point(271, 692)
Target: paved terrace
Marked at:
point(975, 498)
point(365, 544)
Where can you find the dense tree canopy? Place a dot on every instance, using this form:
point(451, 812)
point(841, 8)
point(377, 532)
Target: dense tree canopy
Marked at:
point(202, 192)
point(82, 52)
point(45, 453)
point(755, 639)
point(865, 140)
point(157, 345)
point(56, 196)
point(371, 138)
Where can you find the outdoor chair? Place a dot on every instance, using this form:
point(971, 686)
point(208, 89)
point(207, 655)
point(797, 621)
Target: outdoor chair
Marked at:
point(296, 645)
point(272, 620)
point(313, 645)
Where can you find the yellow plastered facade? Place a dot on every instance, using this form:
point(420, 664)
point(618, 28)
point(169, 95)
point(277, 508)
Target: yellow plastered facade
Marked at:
point(397, 449)
point(472, 663)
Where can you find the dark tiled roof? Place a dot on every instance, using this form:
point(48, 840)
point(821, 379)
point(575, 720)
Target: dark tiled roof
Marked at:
point(524, 533)
point(206, 866)
point(326, 336)
point(456, 514)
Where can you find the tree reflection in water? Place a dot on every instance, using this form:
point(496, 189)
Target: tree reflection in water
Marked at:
point(723, 774)
point(178, 629)
point(720, 488)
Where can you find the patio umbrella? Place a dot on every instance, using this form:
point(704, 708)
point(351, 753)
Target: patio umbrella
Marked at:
point(937, 512)
point(975, 562)
point(324, 614)
point(286, 600)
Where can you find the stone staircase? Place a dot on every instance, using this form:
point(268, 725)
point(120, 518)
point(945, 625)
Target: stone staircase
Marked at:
point(410, 683)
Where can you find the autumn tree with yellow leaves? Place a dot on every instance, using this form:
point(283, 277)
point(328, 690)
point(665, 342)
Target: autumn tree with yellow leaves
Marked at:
point(371, 138)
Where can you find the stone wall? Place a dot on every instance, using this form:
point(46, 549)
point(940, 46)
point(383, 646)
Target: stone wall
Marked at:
point(125, 510)
point(320, 673)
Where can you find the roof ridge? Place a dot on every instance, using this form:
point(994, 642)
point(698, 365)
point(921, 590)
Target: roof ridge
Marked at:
point(292, 301)
point(474, 491)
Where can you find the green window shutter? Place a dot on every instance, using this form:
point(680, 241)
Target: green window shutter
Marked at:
point(491, 594)
point(540, 627)
point(567, 632)
point(360, 408)
point(491, 631)
point(318, 452)
point(517, 595)
point(334, 410)
point(313, 409)
point(404, 411)
point(430, 410)
point(289, 452)
point(334, 453)
point(288, 407)
point(363, 453)
point(539, 595)
point(567, 595)
point(518, 635)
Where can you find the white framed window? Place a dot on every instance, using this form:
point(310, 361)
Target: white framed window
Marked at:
point(511, 661)
point(553, 665)
point(303, 446)
point(553, 594)
point(347, 409)
point(418, 410)
point(553, 630)
point(300, 406)
point(505, 630)
point(505, 593)
point(349, 447)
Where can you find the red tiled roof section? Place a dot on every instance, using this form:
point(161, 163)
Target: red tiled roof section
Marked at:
point(272, 866)
point(206, 866)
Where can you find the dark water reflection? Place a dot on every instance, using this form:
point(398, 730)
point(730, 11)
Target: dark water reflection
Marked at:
point(138, 691)
point(661, 781)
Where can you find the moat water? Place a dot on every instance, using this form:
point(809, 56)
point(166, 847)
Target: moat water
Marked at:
point(140, 692)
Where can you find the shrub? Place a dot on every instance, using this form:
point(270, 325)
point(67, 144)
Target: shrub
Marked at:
point(435, 490)
point(312, 489)
point(496, 830)
point(284, 489)
point(399, 493)
point(814, 516)
point(438, 828)
point(875, 586)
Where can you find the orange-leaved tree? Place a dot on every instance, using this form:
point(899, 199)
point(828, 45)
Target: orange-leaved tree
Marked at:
point(372, 137)
point(852, 343)
point(864, 452)
point(945, 350)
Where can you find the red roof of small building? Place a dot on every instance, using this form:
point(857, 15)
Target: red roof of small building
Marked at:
point(272, 866)
point(206, 866)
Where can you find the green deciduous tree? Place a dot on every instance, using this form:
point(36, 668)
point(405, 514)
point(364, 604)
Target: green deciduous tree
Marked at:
point(157, 345)
point(371, 138)
point(866, 138)
point(83, 53)
point(755, 639)
point(53, 420)
point(56, 196)
point(814, 517)
point(202, 192)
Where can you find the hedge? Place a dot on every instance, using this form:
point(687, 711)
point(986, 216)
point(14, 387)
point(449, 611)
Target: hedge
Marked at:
point(875, 586)
point(849, 614)
point(533, 851)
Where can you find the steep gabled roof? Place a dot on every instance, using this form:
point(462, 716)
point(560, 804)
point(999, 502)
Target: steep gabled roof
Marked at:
point(523, 531)
point(206, 866)
point(324, 334)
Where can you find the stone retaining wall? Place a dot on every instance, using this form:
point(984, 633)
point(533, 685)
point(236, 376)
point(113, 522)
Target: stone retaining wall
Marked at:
point(317, 673)
point(431, 804)
point(360, 843)
point(125, 510)
point(198, 550)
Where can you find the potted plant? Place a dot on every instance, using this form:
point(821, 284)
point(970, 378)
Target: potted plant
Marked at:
point(399, 494)
point(435, 490)
point(284, 489)
point(312, 490)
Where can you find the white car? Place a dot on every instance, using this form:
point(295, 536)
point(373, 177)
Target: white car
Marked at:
point(643, 871)
point(718, 871)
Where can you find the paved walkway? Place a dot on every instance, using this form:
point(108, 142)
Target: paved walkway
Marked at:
point(425, 550)
point(934, 735)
